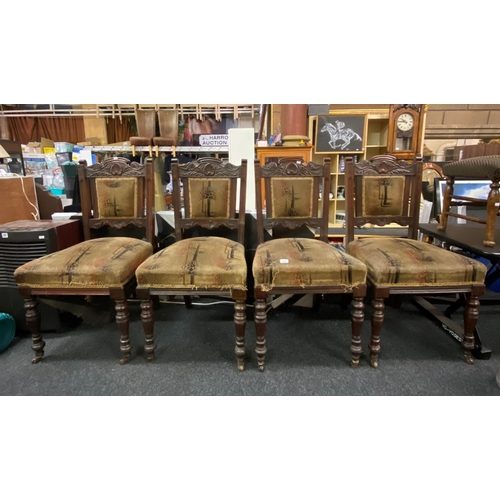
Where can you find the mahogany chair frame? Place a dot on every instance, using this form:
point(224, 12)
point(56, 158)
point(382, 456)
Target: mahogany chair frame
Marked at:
point(202, 168)
point(112, 167)
point(387, 165)
point(296, 167)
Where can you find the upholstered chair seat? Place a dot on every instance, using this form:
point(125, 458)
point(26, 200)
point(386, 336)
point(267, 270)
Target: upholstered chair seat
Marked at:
point(164, 141)
point(101, 262)
point(407, 262)
point(304, 262)
point(140, 141)
point(196, 263)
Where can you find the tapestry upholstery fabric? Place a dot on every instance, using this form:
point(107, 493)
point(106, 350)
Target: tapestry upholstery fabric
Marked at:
point(209, 198)
point(407, 262)
point(96, 263)
point(116, 198)
point(382, 196)
point(304, 262)
point(203, 262)
point(292, 197)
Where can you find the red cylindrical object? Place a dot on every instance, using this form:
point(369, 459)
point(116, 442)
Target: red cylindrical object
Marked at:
point(294, 119)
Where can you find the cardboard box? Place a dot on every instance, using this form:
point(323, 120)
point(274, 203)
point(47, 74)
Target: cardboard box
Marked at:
point(47, 143)
point(90, 141)
point(34, 147)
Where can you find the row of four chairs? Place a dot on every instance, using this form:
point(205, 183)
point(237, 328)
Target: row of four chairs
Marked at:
point(209, 195)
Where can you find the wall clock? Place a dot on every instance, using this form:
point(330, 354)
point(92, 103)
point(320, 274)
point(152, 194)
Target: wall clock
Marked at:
point(405, 135)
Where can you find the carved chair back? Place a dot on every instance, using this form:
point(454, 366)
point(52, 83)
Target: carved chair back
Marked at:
point(381, 191)
point(117, 193)
point(292, 194)
point(209, 193)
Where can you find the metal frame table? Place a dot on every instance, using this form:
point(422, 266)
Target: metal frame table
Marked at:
point(469, 238)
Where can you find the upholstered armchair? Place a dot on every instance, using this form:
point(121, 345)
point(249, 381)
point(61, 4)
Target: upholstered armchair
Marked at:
point(196, 264)
point(146, 129)
point(483, 167)
point(385, 190)
point(300, 265)
point(118, 195)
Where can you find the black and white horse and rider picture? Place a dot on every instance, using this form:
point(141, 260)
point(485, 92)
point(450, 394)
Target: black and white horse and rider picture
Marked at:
point(340, 134)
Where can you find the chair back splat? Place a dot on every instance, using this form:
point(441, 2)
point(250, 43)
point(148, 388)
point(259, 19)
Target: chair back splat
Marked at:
point(117, 193)
point(384, 190)
point(292, 190)
point(209, 193)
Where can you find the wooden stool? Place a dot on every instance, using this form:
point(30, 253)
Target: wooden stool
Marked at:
point(483, 167)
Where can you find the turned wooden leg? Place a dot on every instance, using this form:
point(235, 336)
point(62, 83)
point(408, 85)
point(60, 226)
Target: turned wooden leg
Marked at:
point(122, 320)
point(376, 325)
point(357, 317)
point(147, 318)
point(448, 195)
point(471, 313)
point(260, 320)
point(240, 320)
point(491, 214)
point(33, 320)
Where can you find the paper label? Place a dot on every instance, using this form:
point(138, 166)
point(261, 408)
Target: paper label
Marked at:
point(283, 261)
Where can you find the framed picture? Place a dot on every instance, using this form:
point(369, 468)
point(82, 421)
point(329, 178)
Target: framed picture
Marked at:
point(340, 133)
point(472, 188)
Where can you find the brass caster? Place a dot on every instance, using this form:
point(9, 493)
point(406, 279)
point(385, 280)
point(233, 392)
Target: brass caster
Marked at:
point(150, 358)
point(261, 368)
point(36, 360)
point(124, 361)
point(241, 367)
point(468, 359)
point(355, 363)
point(374, 362)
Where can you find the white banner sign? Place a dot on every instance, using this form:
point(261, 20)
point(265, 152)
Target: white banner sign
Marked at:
point(214, 140)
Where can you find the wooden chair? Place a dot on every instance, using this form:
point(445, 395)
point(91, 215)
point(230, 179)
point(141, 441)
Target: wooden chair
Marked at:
point(168, 120)
point(201, 265)
point(300, 265)
point(146, 129)
point(483, 167)
point(385, 190)
point(116, 194)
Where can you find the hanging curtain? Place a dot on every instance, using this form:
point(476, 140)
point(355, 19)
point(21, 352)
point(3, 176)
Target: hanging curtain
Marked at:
point(58, 128)
point(119, 131)
point(62, 129)
point(22, 129)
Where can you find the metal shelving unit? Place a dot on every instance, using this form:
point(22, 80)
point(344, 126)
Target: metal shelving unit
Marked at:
point(178, 149)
